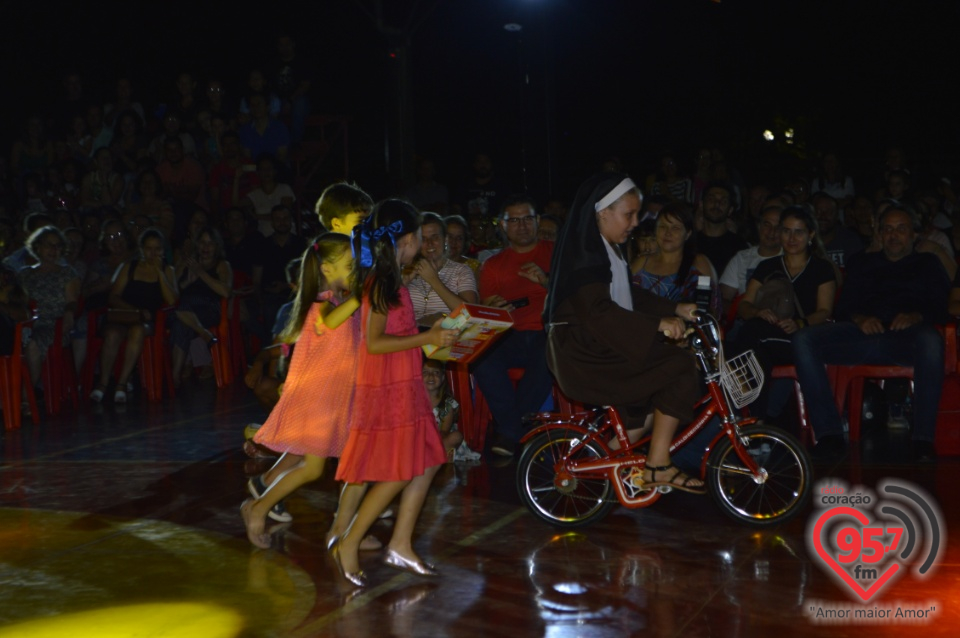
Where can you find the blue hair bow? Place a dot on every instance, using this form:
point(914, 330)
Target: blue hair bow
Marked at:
point(369, 235)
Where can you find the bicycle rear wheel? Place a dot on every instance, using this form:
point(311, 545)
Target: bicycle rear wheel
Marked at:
point(779, 496)
point(560, 498)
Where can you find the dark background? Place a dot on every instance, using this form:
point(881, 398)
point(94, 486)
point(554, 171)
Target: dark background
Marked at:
point(606, 77)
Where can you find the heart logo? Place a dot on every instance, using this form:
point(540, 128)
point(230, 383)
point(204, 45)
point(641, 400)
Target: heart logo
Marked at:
point(825, 554)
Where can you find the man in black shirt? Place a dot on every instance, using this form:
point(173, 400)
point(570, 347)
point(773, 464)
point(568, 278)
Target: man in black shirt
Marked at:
point(886, 315)
point(278, 249)
point(716, 241)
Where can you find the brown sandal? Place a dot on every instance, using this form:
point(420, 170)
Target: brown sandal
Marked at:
point(683, 484)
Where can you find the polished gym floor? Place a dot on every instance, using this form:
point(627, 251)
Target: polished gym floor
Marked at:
point(124, 521)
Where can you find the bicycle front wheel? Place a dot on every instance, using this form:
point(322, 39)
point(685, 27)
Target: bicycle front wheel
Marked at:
point(776, 497)
point(554, 495)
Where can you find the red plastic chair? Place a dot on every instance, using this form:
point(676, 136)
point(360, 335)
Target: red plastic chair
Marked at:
point(59, 374)
point(220, 352)
point(14, 380)
point(155, 364)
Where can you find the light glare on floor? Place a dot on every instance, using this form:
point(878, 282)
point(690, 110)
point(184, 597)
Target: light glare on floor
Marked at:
point(156, 620)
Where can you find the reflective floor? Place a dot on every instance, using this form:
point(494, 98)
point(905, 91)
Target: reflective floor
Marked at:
point(126, 522)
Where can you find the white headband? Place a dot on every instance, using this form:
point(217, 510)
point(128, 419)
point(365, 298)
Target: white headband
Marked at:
point(621, 188)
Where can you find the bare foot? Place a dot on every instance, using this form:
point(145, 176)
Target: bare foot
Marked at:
point(254, 526)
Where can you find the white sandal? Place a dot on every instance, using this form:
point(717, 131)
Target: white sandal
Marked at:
point(120, 396)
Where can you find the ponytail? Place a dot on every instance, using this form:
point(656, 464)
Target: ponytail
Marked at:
point(326, 248)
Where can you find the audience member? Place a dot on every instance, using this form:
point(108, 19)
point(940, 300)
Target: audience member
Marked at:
point(203, 279)
point(885, 316)
point(739, 271)
point(34, 153)
point(269, 279)
point(548, 228)
point(716, 240)
point(484, 190)
point(839, 242)
point(262, 200)
point(516, 279)
point(182, 177)
point(785, 294)
point(263, 134)
point(669, 183)
point(833, 182)
point(292, 79)
point(140, 289)
point(102, 186)
point(54, 288)
point(458, 238)
point(674, 272)
point(439, 285)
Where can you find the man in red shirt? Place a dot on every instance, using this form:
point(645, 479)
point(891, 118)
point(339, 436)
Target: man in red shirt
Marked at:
point(516, 279)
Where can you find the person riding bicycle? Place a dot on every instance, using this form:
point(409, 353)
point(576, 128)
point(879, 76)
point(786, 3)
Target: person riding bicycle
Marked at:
point(603, 342)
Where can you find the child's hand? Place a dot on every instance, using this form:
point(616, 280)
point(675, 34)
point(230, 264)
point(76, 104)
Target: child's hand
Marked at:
point(253, 376)
point(442, 337)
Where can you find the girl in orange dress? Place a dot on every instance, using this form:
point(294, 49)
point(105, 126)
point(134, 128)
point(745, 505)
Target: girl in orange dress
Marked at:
point(393, 438)
point(309, 423)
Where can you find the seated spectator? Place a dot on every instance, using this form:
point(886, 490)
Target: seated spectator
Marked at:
point(840, 243)
point(34, 152)
point(185, 104)
point(141, 287)
point(116, 249)
point(516, 279)
point(921, 245)
point(859, 218)
point(182, 177)
point(674, 272)
point(100, 134)
point(269, 277)
point(342, 206)
point(102, 186)
point(257, 85)
point(265, 375)
point(549, 228)
point(171, 128)
point(458, 239)
point(668, 182)
point(148, 200)
point(188, 245)
point(292, 80)
point(73, 251)
point(23, 257)
point(75, 145)
point(716, 241)
point(243, 245)
point(833, 182)
point(263, 134)
point(55, 288)
point(129, 145)
point(262, 200)
point(426, 193)
point(124, 102)
point(203, 279)
point(739, 271)
point(232, 178)
point(218, 104)
point(886, 314)
point(439, 284)
point(785, 294)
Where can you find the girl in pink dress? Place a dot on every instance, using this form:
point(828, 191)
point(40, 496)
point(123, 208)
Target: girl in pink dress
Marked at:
point(393, 437)
point(309, 423)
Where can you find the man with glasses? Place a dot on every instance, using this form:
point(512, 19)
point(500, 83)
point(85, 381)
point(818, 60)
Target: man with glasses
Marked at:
point(886, 315)
point(516, 279)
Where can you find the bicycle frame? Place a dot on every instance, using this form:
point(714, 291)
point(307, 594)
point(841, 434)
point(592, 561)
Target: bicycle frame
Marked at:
point(600, 425)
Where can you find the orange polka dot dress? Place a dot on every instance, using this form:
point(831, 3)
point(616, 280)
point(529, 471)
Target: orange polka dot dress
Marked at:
point(313, 414)
point(393, 433)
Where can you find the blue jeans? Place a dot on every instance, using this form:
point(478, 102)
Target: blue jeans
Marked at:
point(919, 346)
point(525, 349)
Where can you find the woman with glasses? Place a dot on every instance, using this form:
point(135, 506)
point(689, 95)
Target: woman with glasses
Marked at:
point(785, 294)
point(54, 287)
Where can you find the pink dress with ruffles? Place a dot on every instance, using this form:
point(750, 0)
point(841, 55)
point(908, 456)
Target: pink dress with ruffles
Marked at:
point(393, 434)
point(313, 414)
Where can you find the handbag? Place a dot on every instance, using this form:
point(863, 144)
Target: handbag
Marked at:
point(777, 294)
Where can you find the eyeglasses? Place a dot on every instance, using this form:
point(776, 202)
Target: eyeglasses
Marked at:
point(516, 221)
point(115, 236)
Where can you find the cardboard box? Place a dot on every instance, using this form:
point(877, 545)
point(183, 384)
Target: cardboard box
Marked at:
point(479, 327)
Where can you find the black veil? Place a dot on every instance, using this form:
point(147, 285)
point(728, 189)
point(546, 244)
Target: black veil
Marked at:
point(579, 256)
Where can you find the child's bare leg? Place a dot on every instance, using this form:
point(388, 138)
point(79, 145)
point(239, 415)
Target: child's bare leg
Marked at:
point(376, 500)
point(411, 502)
point(284, 464)
point(254, 511)
point(350, 497)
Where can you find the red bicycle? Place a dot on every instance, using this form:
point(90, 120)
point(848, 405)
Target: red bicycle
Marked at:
point(569, 476)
